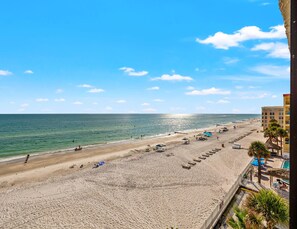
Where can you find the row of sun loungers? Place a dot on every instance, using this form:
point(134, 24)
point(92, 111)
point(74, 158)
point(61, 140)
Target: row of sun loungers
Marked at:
point(239, 138)
point(200, 158)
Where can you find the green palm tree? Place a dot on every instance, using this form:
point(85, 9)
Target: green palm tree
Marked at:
point(274, 208)
point(258, 150)
point(270, 134)
point(254, 220)
point(282, 133)
point(273, 123)
point(238, 221)
point(245, 219)
point(271, 131)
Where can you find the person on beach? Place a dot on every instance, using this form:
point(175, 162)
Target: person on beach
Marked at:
point(27, 158)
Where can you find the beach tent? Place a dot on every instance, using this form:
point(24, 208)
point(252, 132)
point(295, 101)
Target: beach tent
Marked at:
point(207, 134)
point(270, 145)
point(279, 173)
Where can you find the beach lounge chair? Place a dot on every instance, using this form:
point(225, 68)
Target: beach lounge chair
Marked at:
point(197, 160)
point(192, 163)
point(186, 166)
point(203, 158)
point(205, 155)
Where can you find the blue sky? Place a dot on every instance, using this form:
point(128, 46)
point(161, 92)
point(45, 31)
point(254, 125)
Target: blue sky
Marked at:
point(149, 56)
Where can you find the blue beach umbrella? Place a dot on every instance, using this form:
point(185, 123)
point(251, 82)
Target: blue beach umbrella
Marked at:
point(255, 162)
point(261, 159)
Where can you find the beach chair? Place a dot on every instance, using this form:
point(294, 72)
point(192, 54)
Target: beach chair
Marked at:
point(197, 160)
point(186, 166)
point(192, 163)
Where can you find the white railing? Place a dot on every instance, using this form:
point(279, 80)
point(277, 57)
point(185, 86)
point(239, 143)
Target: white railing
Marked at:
point(219, 210)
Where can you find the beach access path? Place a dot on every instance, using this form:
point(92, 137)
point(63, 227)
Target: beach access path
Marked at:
point(132, 190)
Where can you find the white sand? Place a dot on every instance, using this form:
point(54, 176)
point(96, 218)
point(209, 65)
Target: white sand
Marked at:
point(145, 190)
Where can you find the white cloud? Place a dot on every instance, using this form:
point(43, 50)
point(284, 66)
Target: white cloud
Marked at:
point(41, 100)
point(200, 70)
point(24, 105)
point(209, 91)
point(274, 96)
point(150, 110)
point(222, 40)
point(253, 95)
point(145, 104)
point(95, 103)
point(174, 77)
point(85, 85)
point(153, 88)
point(95, 90)
point(247, 78)
point(265, 3)
point(131, 71)
point(238, 87)
point(222, 101)
point(5, 73)
point(60, 100)
point(28, 72)
point(282, 72)
point(59, 91)
point(158, 100)
point(253, 87)
point(108, 108)
point(77, 103)
point(274, 49)
point(190, 88)
point(228, 60)
point(121, 101)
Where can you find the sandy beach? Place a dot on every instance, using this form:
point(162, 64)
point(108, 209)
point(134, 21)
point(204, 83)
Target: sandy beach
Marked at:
point(134, 189)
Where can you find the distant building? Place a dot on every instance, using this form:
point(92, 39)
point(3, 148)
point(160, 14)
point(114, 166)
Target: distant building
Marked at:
point(272, 112)
point(286, 123)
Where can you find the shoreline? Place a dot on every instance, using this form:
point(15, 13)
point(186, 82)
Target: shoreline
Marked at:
point(15, 171)
point(17, 158)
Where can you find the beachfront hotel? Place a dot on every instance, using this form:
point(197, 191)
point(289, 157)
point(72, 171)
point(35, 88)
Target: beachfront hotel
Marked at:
point(270, 113)
point(286, 123)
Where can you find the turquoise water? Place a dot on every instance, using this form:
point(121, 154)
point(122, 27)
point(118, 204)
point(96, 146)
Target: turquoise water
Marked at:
point(286, 165)
point(22, 134)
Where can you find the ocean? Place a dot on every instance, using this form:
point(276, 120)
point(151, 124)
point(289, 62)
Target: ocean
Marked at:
point(21, 134)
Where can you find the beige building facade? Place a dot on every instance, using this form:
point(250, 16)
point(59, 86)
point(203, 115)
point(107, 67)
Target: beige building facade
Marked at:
point(272, 112)
point(286, 123)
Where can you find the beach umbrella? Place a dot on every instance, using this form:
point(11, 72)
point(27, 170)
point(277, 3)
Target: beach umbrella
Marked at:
point(255, 162)
point(261, 159)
